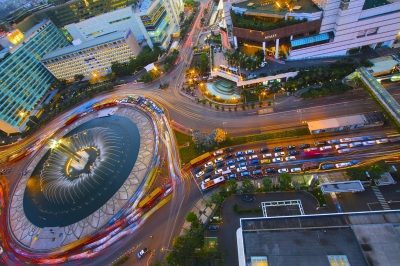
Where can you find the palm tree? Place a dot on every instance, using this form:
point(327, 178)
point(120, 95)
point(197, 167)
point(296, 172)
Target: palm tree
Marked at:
point(259, 89)
point(244, 93)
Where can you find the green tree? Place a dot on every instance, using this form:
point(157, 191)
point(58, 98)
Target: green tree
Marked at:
point(356, 173)
point(232, 185)
point(376, 170)
point(59, 83)
point(260, 54)
point(217, 199)
point(244, 93)
point(206, 202)
point(296, 185)
point(267, 183)
point(79, 77)
point(191, 217)
point(259, 89)
point(203, 62)
point(285, 179)
point(248, 186)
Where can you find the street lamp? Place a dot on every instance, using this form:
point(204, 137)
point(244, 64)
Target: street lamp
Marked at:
point(226, 132)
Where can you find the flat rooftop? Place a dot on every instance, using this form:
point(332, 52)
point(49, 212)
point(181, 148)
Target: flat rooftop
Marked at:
point(338, 187)
point(271, 7)
point(336, 122)
point(74, 48)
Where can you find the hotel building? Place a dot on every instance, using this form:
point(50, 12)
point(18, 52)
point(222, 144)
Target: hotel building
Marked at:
point(92, 58)
point(313, 28)
point(23, 79)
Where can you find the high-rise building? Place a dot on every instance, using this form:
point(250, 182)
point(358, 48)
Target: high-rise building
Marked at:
point(23, 79)
point(92, 58)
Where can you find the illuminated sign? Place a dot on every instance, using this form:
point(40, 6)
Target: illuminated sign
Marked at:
point(270, 36)
point(15, 36)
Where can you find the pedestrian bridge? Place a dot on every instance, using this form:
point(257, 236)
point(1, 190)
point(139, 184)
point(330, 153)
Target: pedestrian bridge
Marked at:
point(377, 91)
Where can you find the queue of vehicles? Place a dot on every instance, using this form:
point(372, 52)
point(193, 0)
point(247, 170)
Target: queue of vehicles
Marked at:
point(243, 164)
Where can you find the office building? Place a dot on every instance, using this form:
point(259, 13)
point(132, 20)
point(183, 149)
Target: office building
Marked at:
point(92, 58)
point(313, 28)
point(151, 21)
point(23, 79)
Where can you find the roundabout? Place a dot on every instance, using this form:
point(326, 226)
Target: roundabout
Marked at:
point(83, 178)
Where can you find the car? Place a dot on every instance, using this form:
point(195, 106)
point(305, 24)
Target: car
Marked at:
point(253, 157)
point(207, 164)
point(142, 252)
point(245, 174)
point(206, 176)
point(333, 141)
point(279, 154)
point(219, 49)
point(241, 169)
point(341, 146)
point(218, 152)
point(241, 159)
point(369, 143)
point(257, 166)
point(220, 159)
point(268, 155)
point(229, 149)
point(295, 170)
point(278, 148)
point(345, 140)
point(209, 169)
point(220, 164)
point(263, 64)
point(311, 149)
point(290, 158)
point(231, 176)
point(304, 146)
point(270, 170)
point(249, 152)
point(326, 148)
point(198, 169)
point(257, 172)
point(320, 143)
point(218, 171)
point(231, 167)
point(213, 228)
point(264, 150)
point(283, 170)
point(215, 176)
point(254, 161)
point(341, 165)
point(229, 155)
point(239, 153)
point(355, 144)
point(242, 164)
point(199, 174)
point(230, 162)
point(277, 160)
point(380, 141)
point(294, 153)
point(249, 199)
point(343, 151)
point(327, 166)
point(291, 147)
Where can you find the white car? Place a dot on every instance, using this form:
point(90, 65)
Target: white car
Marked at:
point(268, 155)
point(344, 140)
point(369, 143)
point(218, 152)
point(208, 164)
point(241, 169)
point(277, 160)
point(341, 165)
point(263, 64)
point(232, 167)
point(380, 141)
point(295, 170)
point(343, 151)
point(218, 160)
point(253, 157)
point(283, 170)
point(249, 152)
point(199, 174)
point(290, 158)
point(311, 149)
point(218, 171)
point(279, 154)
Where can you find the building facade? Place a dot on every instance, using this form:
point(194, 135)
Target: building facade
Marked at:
point(312, 29)
point(23, 79)
point(150, 21)
point(92, 58)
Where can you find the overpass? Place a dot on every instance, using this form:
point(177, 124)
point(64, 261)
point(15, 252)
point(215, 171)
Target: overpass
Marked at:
point(377, 91)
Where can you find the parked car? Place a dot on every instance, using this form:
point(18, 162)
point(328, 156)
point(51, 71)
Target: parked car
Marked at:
point(333, 141)
point(264, 150)
point(142, 252)
point(199, 174)
point(294, 153)
point(277, 160)
point(279, 154)
point(290, 158)
point(241, 169)
point(304, 146)
point(291, 147)
point(229, 155)
point(249, 152)
point(278, 148)
point(253, 157)
point(231, 176)
point(220, 159)
point(213, 227)
point(220, 164)
point(230, 162)
point(242, 164)
point(344, 140)
point(320, 143)
point(270, 170)
point(254, 161)
point(283, 170)
point(207, 164)
point(257, 172)
point(369, 143)
point(218, 152)
point(257, 166)
point(249, 199)
point(268, 155)
point(229, 149)
point(209, 169)
point(218, 171)
point(245, 174)
point(327, 166)
point(239, 153)
point(198, 169)
point(241, 159)
point(295, 170)
point(380, 141)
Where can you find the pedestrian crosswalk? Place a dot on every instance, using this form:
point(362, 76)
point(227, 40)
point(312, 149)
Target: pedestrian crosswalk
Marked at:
point(380, 197)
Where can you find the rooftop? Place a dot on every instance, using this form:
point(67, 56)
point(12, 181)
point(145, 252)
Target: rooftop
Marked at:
point(348, 186)
point(279, 8)
point(74, 48)
point(375, 3)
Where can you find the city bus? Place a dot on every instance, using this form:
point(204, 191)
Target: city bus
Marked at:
point(150, 198)
point(207, 184)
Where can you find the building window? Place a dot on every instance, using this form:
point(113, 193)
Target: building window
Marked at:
point(372, 31)
point(344, 4)
point(361, 33)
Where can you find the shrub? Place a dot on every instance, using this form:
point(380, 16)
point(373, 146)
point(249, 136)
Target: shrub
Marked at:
point(243, 107)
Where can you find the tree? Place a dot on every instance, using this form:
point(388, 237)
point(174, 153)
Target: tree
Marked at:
point(248, 186)
point(356, 173)
point(375, 171)
point(267, 183)
point(79, 77)
point(259, 89)
point(217, 199)
point(232, 185)
point(59, 83)
point(285, 179)
point(206, 202)
point(244, 93)
point(191, 217)
point(198, 138)
point(219, 135)
point(260, 55)
point(203, 62)
point(296, 185)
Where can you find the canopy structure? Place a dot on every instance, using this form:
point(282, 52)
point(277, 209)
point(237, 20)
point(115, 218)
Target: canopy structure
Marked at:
point(310, 40)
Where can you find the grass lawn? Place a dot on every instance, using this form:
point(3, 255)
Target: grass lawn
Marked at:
point(320, 197)
point(211, 243)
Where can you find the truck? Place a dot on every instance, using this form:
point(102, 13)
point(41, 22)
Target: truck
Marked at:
point(309, 165)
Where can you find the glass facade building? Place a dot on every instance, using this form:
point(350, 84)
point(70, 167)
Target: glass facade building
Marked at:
point(23, 79)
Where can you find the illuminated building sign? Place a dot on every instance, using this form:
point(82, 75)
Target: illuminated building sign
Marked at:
point(15, 37)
